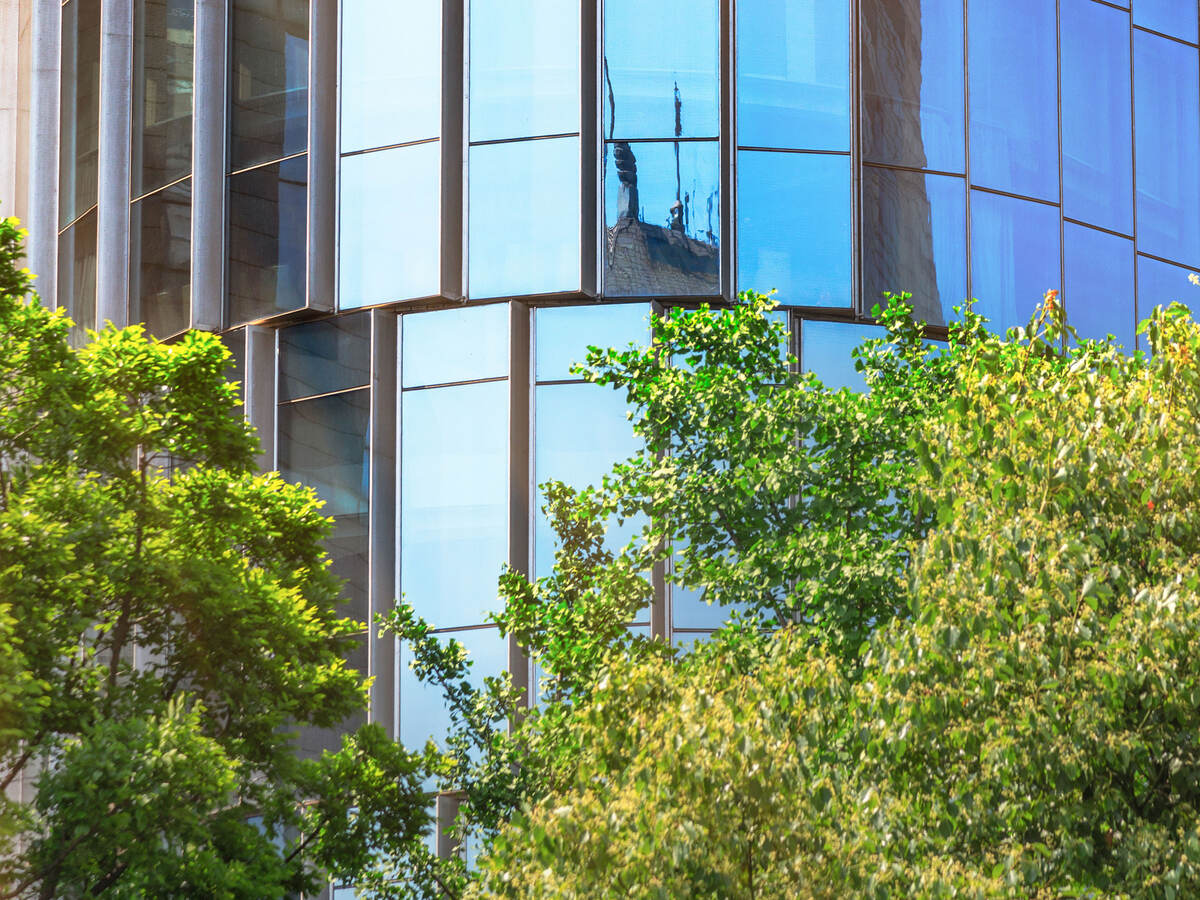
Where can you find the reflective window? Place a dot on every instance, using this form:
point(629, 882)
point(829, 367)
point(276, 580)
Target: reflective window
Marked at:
point(267, 233)
point(1166, 90)
point(660, 69)
point(77, 276)
point(914, 239)
point(268, 80)
point(564, 334)
point(1014, 97)
point(1096, 123)
point(524, 230)
point(662, 206)
point(524, 68)
point(1174, 17)
point(325, 356)
point(454, 500)
point(461, 344)
point(825, 350)
point(349, 549)
point(793, 78)
point(1014, 257)
point(162, 93)
point(1161, 284)
point(391, 72)
point(1099, 297)
point(80, 109)
point(794, 227)
point(912, 72)
point(160, 260)
point(390, 239)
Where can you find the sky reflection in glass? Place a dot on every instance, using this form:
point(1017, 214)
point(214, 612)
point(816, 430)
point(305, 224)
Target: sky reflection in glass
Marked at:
point(462, 344)
point(1174, 17)
point(1161, 284)
point(563, 334)
point(1014, 257)
point(1099, 295)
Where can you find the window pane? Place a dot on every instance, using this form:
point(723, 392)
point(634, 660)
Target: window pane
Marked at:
point(267, 216)
point(914, 239)
point(912, 71)
point(455, 345)
point(1014, 97)
point(1099, 295)
point(524, 218)
point(660, 69)
point(794, 231)
point(564, 334)
point(160, 260)
point(80, 109)
point(391, 72)
point(1161, 284)
point(1096, 124)
point(825, 349)
point(524, 68)
point(1166, 88)
point(454, 500)
point(390, 239)
point(77, 276)
point(1014, 257)
point(323, 357)
point(268, 80)
point(794, 74)
point(662, 206)
point(1174, 17)
point(162, 93)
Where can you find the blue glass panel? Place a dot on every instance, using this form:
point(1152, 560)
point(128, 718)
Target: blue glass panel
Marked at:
point(454, 500)
point(390, 239)
point(662, 205)
point(323, 443)
point(794, 227)
point(1096, 116)
point(660, 68)
point(160, 260)
point(912, 72)
point(1099, 294)
point(1166, 92)
point(1014, 97)
point(563, 334)
point(794, 74)
point(524, 68)
point(462, 344)
point(323, 357)
point(825, 350)
point(524, 218)
point(1161, 284)
point(915, 240)
point(1014, 257)
point(1174, 17)
point(391, 72)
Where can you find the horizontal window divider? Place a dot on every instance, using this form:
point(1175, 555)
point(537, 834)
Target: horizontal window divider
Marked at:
point(75, 221)
point(157, 190)
point(1119, 234)
point(517, 140)
point(1169, 37)
point(458, 629)
point(349, 390)
point(1170, 262)
point(795, 150)
point(445, 384)
point(263, 165)
point(1124, 9)
point(663, 140)
point(914, 169)
point(1010, 194)
point(417, 143)
point(550, 382)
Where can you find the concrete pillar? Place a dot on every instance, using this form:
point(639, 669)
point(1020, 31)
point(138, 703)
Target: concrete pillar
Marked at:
point(42, 213)
point(116, 106)
point(208, 166)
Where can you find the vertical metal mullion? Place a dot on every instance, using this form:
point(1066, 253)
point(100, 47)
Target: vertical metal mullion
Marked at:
point(1137, 338)
point(520, 471)
point(857, 301)
point(966, 47)
point(660, 613)
point(728, 148)
point(112, 197)
point(452, 145)
point(381, 564)
point(589, 147)
point(397, 548)
point(44, 150)
point(208, 164)
point(1062, 228)
point(322, 152)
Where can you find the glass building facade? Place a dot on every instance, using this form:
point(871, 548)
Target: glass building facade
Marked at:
point(409, 217)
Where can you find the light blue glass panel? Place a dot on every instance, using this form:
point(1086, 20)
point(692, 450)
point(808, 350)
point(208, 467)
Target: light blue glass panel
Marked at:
point(1014, 257)
point(1161, 284)
point(461, 344)
point(563, 334)
point(323, 357)
point(1099, 296)
point(662, 205)
point(660, 69)
point(915, 240)
point(825, 350)
point(390, 237)
point(912, 74)
point(1014, 96)
point(1096, 115)
point(794, 74)
point(391, 72)
point(1174, 17)
point(524, 218)
point(688, 610)
point(1166, 91)
point(794, 227)
point(524, 68)
point(454, 500)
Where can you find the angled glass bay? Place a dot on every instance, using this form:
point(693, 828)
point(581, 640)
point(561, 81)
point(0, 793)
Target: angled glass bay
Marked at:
point(77, 276)
point(563, 334)
point(825, 349)
point(324, 443)
point(79, 110)
point(1014, 257)
point(423, 713)
point(326, 356)
point(163, 34)
point(160, 260)
point(1099, 289)
point(463, 344)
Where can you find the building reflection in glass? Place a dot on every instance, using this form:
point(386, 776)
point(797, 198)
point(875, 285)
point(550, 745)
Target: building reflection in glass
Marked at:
point(160, 250)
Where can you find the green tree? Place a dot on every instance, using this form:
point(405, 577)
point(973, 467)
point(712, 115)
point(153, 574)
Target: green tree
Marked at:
point(167, 619)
